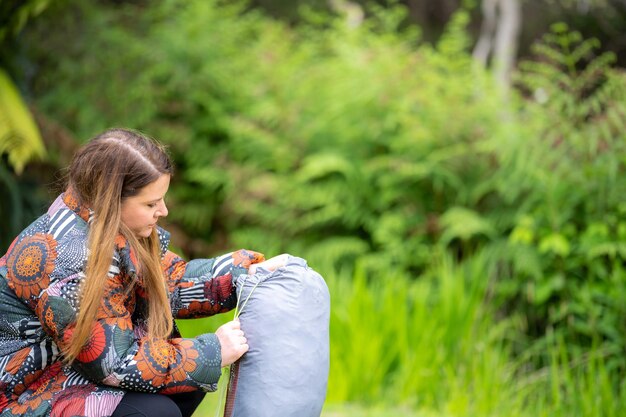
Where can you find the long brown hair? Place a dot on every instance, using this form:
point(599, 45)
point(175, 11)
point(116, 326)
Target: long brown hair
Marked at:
point(113, 166)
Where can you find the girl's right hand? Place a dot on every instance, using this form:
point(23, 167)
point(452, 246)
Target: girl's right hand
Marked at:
point(233, 342)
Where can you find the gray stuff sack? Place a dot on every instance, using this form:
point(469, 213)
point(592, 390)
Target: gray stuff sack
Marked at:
point(285, 319)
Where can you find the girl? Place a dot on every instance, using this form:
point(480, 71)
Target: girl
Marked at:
point(88, 293)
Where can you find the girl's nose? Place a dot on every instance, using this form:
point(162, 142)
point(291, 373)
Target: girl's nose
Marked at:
point(162, 211)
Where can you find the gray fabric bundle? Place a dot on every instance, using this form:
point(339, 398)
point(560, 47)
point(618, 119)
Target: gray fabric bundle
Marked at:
point(285, 317)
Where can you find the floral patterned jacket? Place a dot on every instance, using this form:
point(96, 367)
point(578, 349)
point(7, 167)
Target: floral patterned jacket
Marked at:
point(39, 279)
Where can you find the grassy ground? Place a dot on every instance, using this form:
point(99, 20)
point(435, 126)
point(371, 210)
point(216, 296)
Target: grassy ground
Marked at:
point(209, 406)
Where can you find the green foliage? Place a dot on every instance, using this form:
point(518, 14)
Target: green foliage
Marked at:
point(20, 143)
point(15, 13)
point(20, 140)
point(19, 136)
point(574, 385)
point(426, 343)
point(565, 246)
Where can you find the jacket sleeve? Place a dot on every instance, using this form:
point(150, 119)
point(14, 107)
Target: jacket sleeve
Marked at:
point(203, 287)
point(119, 353)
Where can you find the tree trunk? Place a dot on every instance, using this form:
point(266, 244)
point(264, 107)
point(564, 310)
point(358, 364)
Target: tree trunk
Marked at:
point(484, 44)
point(499, 37)
point(507, 35)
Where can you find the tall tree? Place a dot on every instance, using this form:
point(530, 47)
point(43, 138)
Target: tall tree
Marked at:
point(499, 37)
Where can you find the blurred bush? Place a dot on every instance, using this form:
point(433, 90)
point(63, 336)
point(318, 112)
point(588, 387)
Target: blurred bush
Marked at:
point(20, 140)
point(566, 181)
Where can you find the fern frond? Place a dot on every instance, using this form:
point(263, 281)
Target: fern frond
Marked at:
point(19, 136)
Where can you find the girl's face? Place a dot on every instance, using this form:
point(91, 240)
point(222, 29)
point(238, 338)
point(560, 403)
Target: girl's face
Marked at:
point(141, 212)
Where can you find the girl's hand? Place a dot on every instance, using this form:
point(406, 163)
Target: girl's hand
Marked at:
point(232, 341)
point(271, 264)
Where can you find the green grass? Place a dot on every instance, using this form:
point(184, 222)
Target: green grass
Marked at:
point(427, 343)
point(209, 407)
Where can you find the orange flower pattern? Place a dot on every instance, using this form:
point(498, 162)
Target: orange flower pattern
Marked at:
point(17, 360)
point(164, 361)
point(95, 345)
point(30, 264)
point(40, 277)
point(27, 382)
point(43, 387)
point(72, 201)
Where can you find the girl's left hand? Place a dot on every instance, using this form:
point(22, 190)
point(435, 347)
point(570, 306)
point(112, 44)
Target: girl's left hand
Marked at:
point(271, 264)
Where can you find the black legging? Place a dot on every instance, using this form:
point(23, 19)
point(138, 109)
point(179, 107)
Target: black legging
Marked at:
point(140, 404)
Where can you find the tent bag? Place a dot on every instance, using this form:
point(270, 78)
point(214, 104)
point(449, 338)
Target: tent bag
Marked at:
point(285, 317)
